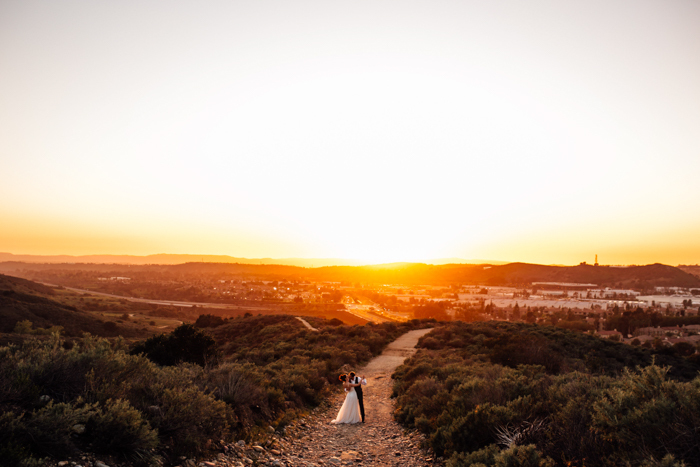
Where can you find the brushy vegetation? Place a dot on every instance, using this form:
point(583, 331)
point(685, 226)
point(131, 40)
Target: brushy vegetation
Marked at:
point(512, 394)
point(95, 396)
point(60, 398)
point(185, 344)
point(273, 365)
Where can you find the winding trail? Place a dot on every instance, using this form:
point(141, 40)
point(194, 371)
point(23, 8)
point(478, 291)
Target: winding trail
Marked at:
point(306, 323)
point(380, 441)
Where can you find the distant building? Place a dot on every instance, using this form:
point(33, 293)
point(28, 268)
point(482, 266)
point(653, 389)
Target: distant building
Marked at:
point(642, 339)
point(562, 285)
point(657, 331)
point(690, 340)
point(610, 334)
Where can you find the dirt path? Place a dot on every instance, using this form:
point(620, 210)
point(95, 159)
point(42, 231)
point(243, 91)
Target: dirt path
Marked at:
point(313, 442)
point(306, 323)
point(380, 441)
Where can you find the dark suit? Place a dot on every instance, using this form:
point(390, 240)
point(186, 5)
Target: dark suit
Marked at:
point(358, 390)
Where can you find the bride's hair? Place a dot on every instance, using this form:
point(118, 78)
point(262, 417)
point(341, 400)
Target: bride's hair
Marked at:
point(342, 378)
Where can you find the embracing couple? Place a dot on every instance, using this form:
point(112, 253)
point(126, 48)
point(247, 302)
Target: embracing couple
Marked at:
point(353, 409)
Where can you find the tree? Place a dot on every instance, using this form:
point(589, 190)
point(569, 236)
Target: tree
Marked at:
point(185, 344)
point(684, 348)
point(468, 314)
point(430, 310)
point(516, 311)
point(209, 321)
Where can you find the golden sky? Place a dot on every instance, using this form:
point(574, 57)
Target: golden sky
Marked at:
point(545, 131)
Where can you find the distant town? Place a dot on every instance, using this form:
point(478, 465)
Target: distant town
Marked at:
point(643, 314)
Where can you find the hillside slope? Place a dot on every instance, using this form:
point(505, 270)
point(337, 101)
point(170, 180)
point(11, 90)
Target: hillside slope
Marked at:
point(628, 277)
point(21, 300)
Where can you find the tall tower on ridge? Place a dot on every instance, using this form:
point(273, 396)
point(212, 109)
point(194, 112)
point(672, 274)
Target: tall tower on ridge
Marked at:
point(596, 260)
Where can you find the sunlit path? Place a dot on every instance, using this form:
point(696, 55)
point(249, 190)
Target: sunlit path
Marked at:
point(380, 441)
point(306, 323)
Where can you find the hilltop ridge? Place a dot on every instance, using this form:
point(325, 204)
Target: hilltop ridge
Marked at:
point(512, 274)
point(172, 259)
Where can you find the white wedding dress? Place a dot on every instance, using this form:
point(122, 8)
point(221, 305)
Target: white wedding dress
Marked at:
point(350, 411)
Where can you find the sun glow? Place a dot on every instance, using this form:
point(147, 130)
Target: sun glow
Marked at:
point(379, 132)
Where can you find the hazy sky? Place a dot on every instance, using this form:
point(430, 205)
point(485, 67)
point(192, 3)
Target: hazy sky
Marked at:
point(539, 131)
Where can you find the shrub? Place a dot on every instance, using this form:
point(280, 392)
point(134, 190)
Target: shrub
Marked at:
point(23, 327)
point(117, 428)
point(185, 344)
point(187, 417)
point(241, 386)
point(13, 451)
point(209, 321)
point(684, 348)
point(131, 405)
point(522, 456)
point(491, 456)
point(483, 457)
point(467, 389)
point(649, 416)
point(124, 396)
point(47, 431)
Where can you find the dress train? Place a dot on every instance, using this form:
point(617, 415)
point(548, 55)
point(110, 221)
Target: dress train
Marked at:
point(350, 411)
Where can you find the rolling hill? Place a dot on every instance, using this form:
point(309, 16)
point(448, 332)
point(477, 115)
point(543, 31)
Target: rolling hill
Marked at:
point(512, 274)
point(22, 299)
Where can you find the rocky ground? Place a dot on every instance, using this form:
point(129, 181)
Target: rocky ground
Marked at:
point(313, 442)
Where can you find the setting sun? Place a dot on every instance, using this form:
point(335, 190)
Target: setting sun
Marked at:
point(375, 132)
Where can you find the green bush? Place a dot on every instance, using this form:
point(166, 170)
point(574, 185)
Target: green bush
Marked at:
point(242, 387)
point(492, 456)
point(186, 418)
point(48, 431)
point(185, 344)
point(468, 391)
point(522, 456)
point(14, 451)
point(646, 413)
point(134, 408)
point(119, 429)
point(209, 321)
point(98, 384)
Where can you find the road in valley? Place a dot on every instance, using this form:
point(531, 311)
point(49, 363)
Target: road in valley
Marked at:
point(365, 312)
point(148, 300)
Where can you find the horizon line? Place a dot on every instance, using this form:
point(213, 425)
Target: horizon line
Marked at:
point(288, 261)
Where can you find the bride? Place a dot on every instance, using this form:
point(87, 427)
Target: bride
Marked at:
point(350, 411)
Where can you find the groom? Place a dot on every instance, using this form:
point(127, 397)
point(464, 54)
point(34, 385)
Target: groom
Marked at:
point(358, 390)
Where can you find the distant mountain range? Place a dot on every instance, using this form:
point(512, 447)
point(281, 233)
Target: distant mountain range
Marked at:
point(165, 258)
